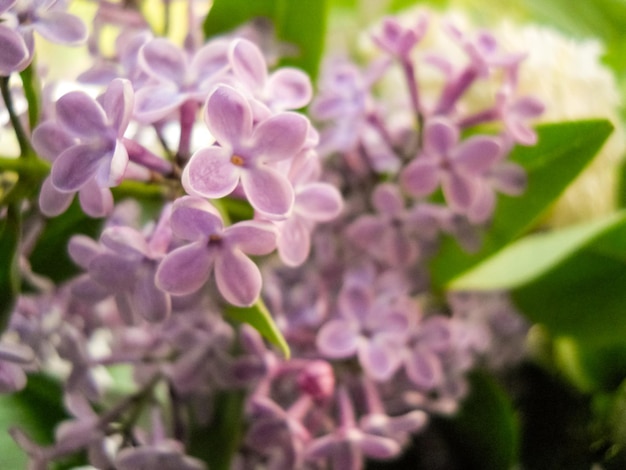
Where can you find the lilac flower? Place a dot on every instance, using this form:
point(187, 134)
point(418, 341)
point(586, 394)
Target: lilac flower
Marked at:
point(286, 88)
point(458, 167)
point(178, 78)
point(374, 329)
point(13, 358)
point(347, 445)
point(14, 55)
point(213, 246)
point(399, 40)
point(166, 455)
point(96, 128)
point(246, 153)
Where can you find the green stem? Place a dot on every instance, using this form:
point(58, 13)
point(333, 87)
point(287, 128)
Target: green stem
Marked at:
point(31, 92)
point(20, 133)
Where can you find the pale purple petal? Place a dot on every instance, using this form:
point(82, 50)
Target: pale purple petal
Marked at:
point(50, 140)
point(319, 201)
point(440, 137)
point(509, 178)
point(156, 102)
point(117, 102)
point(459, 191)
point(280, 137)
point(424, 369)
point(210, 61)
point(95, 200)
point(252, 237)
point(477, 154)
point(294, 241)
point(210, 173)
point(61, 27)
point(195, 219)
point(53, 202)
point(12, 378)
point(125, 241)
point(248, 64)
point(268, 191)
point(379, 359)
point(185, 270)
point(289, 88)
point(75, 167)
point(148, 301)
point(14, 53)
point(82, 250)
point(378, 447)
point(420, 177)
point(238, 278)
point(112, 271)
point(338, 339)
point(81, 115)
point(367, 230)
point(483, 205)
point(228, 116)
point(163, 60)
point(387, 199)
point(5, 5)
point(112, 168)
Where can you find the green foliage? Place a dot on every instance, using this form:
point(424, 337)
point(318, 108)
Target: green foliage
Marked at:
point(301, 24)
point(573, 281)
point(260, 318)
point(563, 150)
point(10, 233)
point(485, 431)
point(37, 410)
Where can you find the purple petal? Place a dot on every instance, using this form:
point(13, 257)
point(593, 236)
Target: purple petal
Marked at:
point(228, 116)
point(378, 447)
point(210, 60)
point(440, 137)
point(112, 167)
point(509, 178)
point(268, 191)
point(185, 270)
point(338, 339)
point(459, 191)
point(294, 241)
point(280, 137)
point(289, 88)
point(117, 102)
point(81, 115)
point(94, 200)
point(156, 102)
point(125, 241)
point(387, 199)
point(420, 177)
point(53, 202)
point(163, 60)
point(5, 5)
point(14, 53)
point(424, 369)
point(82, 250)
point(195, 219)
point(238, 278)
point(61, 27)
point(367, 230)
point(252, 237)
point(50, 140)
point(379, 359)
point(75, 167)
point(483, 205)
point(148, 301)
point(210, 173)
point(112, 271)
point(527, 107)
point(12, 378)
point(248, 64)
point(477, 154)
point(319, 202)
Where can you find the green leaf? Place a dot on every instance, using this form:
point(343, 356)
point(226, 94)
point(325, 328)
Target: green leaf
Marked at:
point(259, 317)
point(573, 281)
point(563, 150)
point(10, 232)
point(485, 430)
point(37, 410)
point(50, 257)
point(302, 24)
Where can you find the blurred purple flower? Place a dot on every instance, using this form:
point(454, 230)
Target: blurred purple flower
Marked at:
point(214, 247)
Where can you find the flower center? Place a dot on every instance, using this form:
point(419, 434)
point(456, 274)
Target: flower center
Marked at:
point(237, 160)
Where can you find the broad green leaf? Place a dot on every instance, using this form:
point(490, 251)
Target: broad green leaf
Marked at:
point(50, 256)
point(10, 232)
point(301, 24)
point(260, 318)
point(37, 410)
point(485, 431)
point(573, 281)
point(563, 150)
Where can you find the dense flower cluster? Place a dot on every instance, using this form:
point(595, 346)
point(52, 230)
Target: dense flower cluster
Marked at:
point(340, 225)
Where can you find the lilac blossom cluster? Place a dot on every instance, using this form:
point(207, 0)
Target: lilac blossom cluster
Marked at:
point(343, 223)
